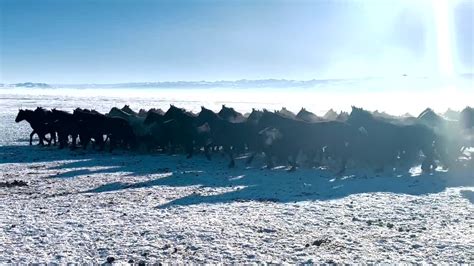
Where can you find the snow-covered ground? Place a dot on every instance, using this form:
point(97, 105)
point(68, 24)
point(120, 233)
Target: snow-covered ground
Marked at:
point(87, 206)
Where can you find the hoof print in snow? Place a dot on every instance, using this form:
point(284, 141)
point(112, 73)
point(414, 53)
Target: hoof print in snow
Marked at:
point(131, 261)
point(110, 260)
point(141, 263)
point(266, 230)
point(389, 225)
point(319, 242)
point(14, 183)
point(416, 246)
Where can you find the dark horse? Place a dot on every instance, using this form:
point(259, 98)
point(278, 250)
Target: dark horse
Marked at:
point(307, 116)
point(182, 130)
point(95, 125)
point(228, 135)
point(387, 142)
point(90, 127)
point(66, 126)
point(40, 124)
point(229, 114)
point(291, 136)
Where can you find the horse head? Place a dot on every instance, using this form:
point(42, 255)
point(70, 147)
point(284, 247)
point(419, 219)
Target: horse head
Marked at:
point(359, 116)
point(20, 116)
point(254, 116)
point(207, 115)
point(126, 108)
point(466, 117)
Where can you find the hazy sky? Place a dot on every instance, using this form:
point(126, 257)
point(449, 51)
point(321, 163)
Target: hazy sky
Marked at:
point(109, 41)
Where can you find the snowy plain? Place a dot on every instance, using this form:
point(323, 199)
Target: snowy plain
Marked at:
point(87, 206)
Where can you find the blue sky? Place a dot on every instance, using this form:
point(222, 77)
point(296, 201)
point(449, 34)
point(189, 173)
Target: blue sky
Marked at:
point(106, 41)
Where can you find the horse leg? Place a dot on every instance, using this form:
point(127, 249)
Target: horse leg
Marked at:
point(74, 141)
point(231, 156)
point(189, 150)
point(270, 163)
point(428, 163)
point(85, 141)
point(343, 166)
point(250, 158)
point(31, 137)
point(112, 143)
point(292, 162)
point(50, 139)
point(207, 152)
point(53, 134)
point(41, 137)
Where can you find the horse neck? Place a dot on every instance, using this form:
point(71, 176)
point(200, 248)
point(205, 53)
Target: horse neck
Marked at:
point(30, 118)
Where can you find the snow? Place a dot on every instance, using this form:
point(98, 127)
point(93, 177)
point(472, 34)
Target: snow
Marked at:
point(86, 206)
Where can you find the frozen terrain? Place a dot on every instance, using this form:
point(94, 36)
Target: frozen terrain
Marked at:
point(85, 206)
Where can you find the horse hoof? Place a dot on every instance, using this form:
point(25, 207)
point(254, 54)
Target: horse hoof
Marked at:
point(292, 169)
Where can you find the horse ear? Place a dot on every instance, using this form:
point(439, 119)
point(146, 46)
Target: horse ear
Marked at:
point(202, 107)
point(223, 106)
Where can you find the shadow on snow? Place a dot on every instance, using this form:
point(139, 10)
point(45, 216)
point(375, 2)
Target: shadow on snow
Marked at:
point(240, 184)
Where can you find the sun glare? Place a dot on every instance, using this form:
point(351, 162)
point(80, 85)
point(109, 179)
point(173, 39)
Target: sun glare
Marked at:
point(442, 17)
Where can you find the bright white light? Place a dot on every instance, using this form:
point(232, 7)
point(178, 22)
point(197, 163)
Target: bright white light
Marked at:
point(442, 10)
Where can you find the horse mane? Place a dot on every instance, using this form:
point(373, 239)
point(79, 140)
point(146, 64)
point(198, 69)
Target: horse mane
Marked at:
point(126, 108)
point(429, 115)
point(209, 111)
point(285, 112)
point(180, 110)
point(117, 110)
point(360, 112)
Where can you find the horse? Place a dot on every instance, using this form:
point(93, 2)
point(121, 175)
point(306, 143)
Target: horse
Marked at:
point(307, 116)
point(254, 139)
point(386, 142)
point(136, 122)
point(466, 118)
point(144, 113)
point(184, 131)
point(329, 137)
point(466, 122)
point(66, 125)
point(330, 115)
point(229, 114)
point(126, 108)
point(157, 137)
point(38, 124)
point(91, 126)
point(231, 136)
point(96, 125)
point(119, 131)
point(286, 113)
point(47, 117)
point(452, 139)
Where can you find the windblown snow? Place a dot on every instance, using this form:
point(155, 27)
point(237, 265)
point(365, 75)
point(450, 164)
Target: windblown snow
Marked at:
point(87, 206)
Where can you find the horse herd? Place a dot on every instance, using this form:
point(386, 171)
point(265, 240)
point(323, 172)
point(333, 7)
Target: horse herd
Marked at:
point(361, 138)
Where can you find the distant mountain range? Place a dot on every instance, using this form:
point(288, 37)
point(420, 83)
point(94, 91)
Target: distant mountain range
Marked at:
point(242, 84)
point(263, 83)
point(26, 85)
